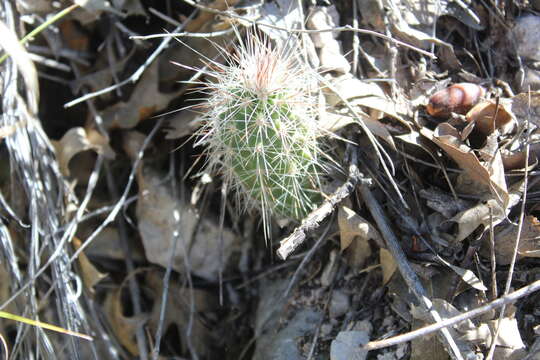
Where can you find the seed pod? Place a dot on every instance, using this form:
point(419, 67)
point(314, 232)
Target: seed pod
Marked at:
point(458, 98)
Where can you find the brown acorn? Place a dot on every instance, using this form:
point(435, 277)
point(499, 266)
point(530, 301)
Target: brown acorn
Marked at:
point(458, 98)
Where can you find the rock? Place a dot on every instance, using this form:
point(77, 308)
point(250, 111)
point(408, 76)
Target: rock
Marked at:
point(339, 305)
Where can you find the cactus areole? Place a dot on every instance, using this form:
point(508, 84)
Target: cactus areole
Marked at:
point(261, 132)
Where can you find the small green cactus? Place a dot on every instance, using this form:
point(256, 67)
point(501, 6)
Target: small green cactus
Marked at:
point(261, 130)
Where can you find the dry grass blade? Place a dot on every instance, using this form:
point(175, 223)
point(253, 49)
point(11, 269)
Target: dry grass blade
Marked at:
point(43, 325)
point(25, 66)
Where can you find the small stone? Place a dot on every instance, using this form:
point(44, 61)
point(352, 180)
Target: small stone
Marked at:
point(339, 304)
point(525, 35)
point(326, 329)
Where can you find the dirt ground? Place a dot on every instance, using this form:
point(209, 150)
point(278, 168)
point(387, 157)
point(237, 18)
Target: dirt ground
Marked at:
point(270, 179)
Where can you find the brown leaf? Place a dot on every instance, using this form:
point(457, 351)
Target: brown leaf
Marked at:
point(517, 160)
point(90, 275)
point(162, 216)
point(388, 265)
point(362, 93)
point(489, 173)
point(178, 312)
point(77, 140)
point(145, 100)
point(527, 106)
point(488, 116)
point(472, 218)
point(355, 233)
point(505, 238)
point(122, 326)
point(332, 122)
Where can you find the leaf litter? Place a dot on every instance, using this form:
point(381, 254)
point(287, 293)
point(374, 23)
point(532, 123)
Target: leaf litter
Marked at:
point(112, 226)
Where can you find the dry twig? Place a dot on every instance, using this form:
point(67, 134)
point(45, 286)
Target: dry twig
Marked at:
point(504, 300)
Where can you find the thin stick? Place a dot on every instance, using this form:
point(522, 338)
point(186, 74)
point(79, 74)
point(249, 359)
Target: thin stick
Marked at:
point(504, 300)
point(312, 221)
point(42, 27)
point(408, 274)
point(518, 237)
point(135, 76)
point(339, 29)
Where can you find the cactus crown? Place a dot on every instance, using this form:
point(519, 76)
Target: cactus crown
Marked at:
point(260, 129)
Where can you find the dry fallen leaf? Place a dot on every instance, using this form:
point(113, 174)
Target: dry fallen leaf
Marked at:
point(489, 173)
point(447, 310)
point(505, 238)
point(162, 216)
point(90, 275)
point(123, 327)
point(526, 106)
point(469, 220)
point(178, 312)
point(77, 140)
point(469, 277)
point(332, 122)
point(509, 343)
point(146, 100)
point(388, 265)
point(330, 53)
point(362, 93)
point(355, 233)
point(488, 116)
point(518, 160)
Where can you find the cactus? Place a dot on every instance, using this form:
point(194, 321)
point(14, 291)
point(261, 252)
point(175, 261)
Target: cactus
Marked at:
point(260, 129)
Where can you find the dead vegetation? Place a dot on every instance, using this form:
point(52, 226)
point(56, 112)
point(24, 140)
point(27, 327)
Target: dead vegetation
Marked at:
point(425, 245)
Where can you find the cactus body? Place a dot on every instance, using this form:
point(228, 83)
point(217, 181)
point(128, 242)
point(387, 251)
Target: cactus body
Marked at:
point(260, 130)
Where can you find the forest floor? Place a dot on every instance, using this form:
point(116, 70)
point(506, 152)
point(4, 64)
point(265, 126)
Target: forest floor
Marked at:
point(394, 147)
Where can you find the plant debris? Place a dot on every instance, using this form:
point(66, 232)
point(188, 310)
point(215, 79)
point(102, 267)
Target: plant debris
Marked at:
point(420, 239)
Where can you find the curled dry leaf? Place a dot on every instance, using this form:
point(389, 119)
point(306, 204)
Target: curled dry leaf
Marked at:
point(489, 173)
point(146, 100)
point(505, 238)
point(401, 28)
point(362, 93)
point(355, 233)
point(488, 116)
point(330, 54)
point(484, 213)
point(517, 160)
point(469, 277)
point(90, 275)
point(124, 327)
point(332, 122)
point(77, 140)
point(509, 342)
